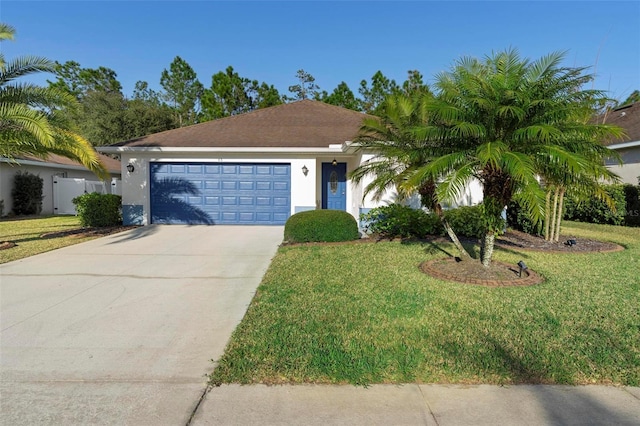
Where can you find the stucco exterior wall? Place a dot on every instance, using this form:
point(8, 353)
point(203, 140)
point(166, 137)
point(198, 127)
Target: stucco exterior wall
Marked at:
point(630, 170)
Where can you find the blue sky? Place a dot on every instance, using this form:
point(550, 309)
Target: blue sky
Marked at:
point(334, 41)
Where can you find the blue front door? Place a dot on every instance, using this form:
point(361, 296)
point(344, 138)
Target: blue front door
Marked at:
point(334, 186)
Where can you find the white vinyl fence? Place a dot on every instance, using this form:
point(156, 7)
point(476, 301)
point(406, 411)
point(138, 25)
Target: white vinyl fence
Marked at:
point(66, 189)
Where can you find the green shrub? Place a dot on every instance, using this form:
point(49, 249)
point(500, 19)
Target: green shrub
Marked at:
point(321, 226)
point(396, 220)
point(467, 221)
point(594, 210)
point(518, 218)
point(99, 210)
point(632, 201)
point(27, 193)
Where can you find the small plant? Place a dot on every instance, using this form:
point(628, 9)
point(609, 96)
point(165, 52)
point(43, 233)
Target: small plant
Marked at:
point(396, 220)
point(321, 226)
point(99, 210)
point(27, 193)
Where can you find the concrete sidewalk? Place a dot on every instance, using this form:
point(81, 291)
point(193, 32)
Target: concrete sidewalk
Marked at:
point(444, 405)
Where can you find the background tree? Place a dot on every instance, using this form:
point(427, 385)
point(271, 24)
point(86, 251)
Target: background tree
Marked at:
point(78, 81)
point(29, 120)
point(373, 96)
point(632, 98)
point(229, 95)
point(306, 87)
point(414, 84)
point(183, 91)
point(500, 117)
point(265, 95)
point(341, 96)
point(103, 115)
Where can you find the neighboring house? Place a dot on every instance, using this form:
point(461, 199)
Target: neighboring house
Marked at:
point(62, 180)
point(255, 168)
point(627, 117)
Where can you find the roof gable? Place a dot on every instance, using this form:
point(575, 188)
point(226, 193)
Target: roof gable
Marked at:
point(627, 117)
point(301, 124)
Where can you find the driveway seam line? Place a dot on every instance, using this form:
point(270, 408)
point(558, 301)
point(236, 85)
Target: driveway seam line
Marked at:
point(200, 400)
point(426, 403)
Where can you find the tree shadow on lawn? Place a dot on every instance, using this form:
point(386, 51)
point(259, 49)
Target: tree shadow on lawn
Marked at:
point(563, 400)
point(472, 247)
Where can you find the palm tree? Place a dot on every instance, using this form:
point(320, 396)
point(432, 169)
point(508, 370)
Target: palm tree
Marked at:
point(398, 153)
point(29, 120)
point(502, 117)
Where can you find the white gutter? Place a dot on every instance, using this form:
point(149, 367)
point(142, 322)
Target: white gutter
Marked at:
point(278, 150)
point(624, 145)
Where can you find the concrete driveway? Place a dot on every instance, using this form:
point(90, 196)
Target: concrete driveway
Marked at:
point(122, 330)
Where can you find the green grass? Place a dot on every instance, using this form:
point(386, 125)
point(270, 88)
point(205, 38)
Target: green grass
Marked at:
point(26, 232)
point(364, 313)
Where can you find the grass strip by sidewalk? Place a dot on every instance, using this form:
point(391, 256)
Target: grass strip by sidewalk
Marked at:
point(26, 234)
point(364, 314)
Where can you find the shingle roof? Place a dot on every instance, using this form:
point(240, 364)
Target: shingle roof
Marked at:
point(301, 124)
point(627, 117)
point(113, 166)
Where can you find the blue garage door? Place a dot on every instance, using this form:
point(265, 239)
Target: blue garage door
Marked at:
point(220, 193)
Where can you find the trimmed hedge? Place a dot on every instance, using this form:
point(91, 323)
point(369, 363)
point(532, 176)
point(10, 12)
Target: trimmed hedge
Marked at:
point(321, 226)
point(99, 210)
point(27, 193)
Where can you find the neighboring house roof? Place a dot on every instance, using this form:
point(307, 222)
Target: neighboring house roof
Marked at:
point(113, 166)
point(627, 117)
point(301, 124)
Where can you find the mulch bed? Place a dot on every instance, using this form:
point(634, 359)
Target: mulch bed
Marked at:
point(523, 241)
point(505, 275)
point(498, 274)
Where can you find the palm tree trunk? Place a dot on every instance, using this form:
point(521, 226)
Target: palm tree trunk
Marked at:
point(486, 252)
point(547, 215)
point(463, 253)
point(553, 214)
point(559, 218)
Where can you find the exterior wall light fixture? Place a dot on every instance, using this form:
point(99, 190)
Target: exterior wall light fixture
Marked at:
point(334, 162)
point(130, 168)
point(305, 171)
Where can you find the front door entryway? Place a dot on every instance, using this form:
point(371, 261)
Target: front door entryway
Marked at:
point(334, 186)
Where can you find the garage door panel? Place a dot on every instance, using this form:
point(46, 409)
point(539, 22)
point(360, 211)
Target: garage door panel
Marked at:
point(232, 193)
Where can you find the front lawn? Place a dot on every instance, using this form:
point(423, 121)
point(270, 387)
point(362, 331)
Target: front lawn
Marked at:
point(364, 313)
point(27, 233)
